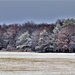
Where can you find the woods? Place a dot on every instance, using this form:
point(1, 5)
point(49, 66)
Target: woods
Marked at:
point(31, 37)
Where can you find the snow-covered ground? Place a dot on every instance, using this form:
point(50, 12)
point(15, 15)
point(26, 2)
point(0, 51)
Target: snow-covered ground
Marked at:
point(19, 63)
point(36, 55)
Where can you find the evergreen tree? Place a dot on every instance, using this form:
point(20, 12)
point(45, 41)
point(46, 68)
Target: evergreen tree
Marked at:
point(24, 42)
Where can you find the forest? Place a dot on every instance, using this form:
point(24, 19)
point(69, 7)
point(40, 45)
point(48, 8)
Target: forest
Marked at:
point(58, 37)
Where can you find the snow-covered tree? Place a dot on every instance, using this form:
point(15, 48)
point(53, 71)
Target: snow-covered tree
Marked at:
point(62, 33)
point(24, 42)
point(69, 22)
point(55, 35)
point(44, 43)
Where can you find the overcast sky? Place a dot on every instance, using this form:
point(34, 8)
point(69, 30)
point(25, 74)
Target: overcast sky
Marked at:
point(20, 11)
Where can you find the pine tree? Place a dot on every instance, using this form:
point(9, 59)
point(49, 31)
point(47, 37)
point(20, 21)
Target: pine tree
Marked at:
point(55, 35)
point(44, 43)
point(24, 42)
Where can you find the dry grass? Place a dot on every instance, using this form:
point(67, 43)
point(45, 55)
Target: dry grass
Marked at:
point(37, 66)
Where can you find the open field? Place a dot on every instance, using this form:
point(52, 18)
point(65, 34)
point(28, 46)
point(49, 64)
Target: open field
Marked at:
point(18, 63)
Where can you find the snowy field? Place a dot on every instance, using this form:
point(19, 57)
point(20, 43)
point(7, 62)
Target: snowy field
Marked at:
point(22, 63)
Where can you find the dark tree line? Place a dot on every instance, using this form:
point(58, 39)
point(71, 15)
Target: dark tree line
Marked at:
point(31, 37)
point(10, 33)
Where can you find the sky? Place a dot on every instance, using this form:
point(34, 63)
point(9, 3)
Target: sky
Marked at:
point(38, 11)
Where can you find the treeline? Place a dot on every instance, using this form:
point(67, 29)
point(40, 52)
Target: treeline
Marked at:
point(9, 34)
point(31, 37)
